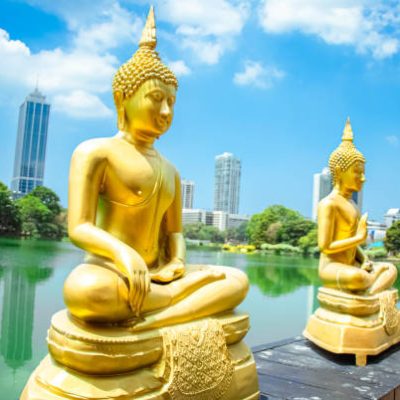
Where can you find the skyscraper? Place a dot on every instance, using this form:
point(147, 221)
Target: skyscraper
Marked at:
point(30, 151)
point(227, 183)
point(323, 186)
point(187, 190)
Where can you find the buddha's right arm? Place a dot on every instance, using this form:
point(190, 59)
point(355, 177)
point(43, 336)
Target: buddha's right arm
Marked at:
point(326, 225)
point(87, 171)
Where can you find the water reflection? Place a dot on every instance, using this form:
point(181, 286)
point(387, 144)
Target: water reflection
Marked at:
point(22, 272)
point(276, 280)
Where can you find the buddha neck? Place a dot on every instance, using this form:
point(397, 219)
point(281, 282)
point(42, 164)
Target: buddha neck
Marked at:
point(145, 146)
point(344, 192)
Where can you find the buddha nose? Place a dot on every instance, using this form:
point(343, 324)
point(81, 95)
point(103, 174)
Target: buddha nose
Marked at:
point(165, 109)
point(363, 179)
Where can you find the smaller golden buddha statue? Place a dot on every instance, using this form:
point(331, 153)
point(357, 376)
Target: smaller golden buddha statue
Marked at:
point(140, 322)
point(357, 295)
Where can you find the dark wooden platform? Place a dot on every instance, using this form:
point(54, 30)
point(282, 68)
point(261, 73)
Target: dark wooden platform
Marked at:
point(297, 369)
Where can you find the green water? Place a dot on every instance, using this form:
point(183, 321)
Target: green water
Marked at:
point(282, 295)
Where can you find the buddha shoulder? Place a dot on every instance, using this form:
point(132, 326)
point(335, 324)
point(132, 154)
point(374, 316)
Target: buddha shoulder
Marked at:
point(91, 152)
point(327, 205)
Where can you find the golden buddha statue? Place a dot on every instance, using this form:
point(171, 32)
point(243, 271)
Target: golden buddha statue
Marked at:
point(357, 293)
point(140, 322)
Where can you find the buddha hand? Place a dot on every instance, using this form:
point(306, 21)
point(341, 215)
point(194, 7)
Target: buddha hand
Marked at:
point(137, 274)
point(169, 272)
point(362, 232)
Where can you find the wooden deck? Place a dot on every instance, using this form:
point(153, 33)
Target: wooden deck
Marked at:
point(296, 369)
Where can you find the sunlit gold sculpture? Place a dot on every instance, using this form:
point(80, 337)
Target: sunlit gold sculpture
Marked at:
point(357, 313)
point(140, 323)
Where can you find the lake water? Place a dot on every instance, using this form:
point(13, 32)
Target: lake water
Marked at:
point(282, 295)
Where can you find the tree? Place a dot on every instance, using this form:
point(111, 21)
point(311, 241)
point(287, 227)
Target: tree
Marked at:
point(309, 242)
point(201, 231)
point(35, 216)
point(238, 234)
point(10, 218)
point(392, 239)
point(42, 214)
point(292, 230)
point(48, 198)
point(278, 224)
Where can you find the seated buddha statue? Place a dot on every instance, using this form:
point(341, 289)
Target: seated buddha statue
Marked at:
point(140, 322)
point(125, 212)
point(341, 230)
point(357, 311)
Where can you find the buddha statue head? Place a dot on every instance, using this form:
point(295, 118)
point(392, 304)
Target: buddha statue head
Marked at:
point(144, 89)
point(346, 163)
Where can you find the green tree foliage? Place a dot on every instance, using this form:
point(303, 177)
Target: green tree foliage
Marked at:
point(309, 243)
point(278, 224)
point(10, 219)
point(48, 198)
point(40, 212)
point(201, 231)
point(238, 234)
point(392, 239)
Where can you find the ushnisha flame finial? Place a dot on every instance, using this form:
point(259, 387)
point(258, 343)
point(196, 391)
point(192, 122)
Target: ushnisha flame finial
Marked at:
point(348, 131)
point(145, 63)
point(149, 37)
point(346, 154)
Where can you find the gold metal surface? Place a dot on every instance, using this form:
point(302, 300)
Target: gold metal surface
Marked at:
point(357, 311)
point(140, 322)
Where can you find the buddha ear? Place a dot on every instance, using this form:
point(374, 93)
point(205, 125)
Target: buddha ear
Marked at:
point(119, 105)
point(338, 173)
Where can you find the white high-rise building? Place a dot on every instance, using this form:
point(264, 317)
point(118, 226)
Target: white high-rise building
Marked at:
point(30, 151)
point(187, 190)
point(323, 186)
point(392, 215)
point(227, 183)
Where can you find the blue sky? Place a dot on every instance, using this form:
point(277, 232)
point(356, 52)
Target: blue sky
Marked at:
point(271, 81)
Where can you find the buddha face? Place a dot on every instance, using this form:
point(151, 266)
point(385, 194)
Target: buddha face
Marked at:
point(149, 112)
point(353, 178)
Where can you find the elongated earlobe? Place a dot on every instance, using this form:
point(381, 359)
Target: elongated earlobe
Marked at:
point(119, 104)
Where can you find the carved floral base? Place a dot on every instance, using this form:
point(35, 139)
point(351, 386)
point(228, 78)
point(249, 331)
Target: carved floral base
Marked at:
point(355, 324)
point(206, 359)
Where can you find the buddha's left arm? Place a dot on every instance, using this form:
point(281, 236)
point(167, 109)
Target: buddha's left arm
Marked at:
point(360, 255)
point(176, 242)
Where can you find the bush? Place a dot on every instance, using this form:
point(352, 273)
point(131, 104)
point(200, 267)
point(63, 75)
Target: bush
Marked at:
point(376, 253)
point(280, 248)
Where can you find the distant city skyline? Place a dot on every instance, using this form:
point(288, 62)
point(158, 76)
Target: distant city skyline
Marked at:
point(30, 149)
point(263, 81)
point(227, 183)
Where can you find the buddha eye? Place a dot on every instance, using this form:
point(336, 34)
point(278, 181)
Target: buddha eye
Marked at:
point(171, 101)
point(156, 95)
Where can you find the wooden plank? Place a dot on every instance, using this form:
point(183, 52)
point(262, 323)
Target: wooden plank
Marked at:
point(296, 369)
point(305, 356)
point(302, 382)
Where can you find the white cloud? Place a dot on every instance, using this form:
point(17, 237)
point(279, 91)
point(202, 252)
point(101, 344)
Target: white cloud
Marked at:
point(393, 140)
point(257, 75)
point(82, 71)
point(115, 27)
point(179, 67)
point(206, 27)
point(81, 104)
point(359, 23)
point(59, 72)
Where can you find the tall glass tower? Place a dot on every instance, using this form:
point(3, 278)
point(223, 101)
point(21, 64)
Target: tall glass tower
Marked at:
point(187, 190)
point(227, 183)
point(30, 151)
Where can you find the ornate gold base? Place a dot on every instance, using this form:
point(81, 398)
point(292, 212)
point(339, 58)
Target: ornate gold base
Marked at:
point(361, 335)
point(202, 360)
